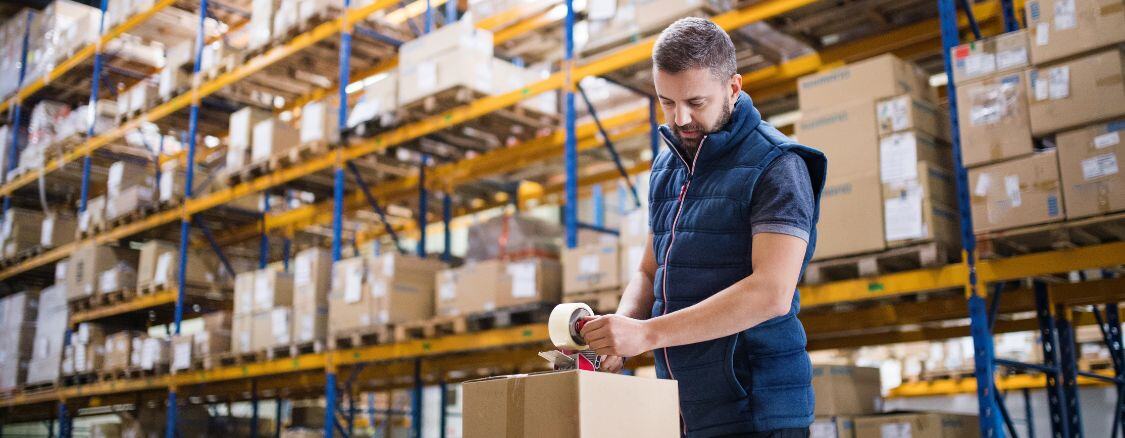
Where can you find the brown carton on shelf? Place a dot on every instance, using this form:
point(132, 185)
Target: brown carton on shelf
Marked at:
point(119, 350)
point(906, 112)
point(871, 79)
point(312, 278)
point(591, 268)
point(629, 258)
point(918, 209)
point(1061, 28)
point(900, 153)
point(272, 328)
point(1010, 194)
point(570, 404)
point(94, 215)
point(992, 115)
point(847, 133)
point(349, 302)
point(832, 427)
point(21, 231)
point(119, 277)
point(129, 200)
point(272, 288)
point(530, 281)
point(634, 227)
point(1090, 164)
point(997, 54)
point(846, 390)
point(469, 289)
point(58, 230)
point(182, 354)
point(273, 137)
point(159, 266)
point(1076, 92)
point(918, 425)
point(244, 292)
point(242, 333)
point(215, 337)
point(401, 287)
point(88, 261)
point(844, 199)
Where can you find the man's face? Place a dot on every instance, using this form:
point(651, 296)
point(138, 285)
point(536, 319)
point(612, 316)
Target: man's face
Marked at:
point(695, 102)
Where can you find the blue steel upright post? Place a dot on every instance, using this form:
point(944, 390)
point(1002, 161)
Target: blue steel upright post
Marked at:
point(185, 220)
point(991, 423)
point(571, 150)
point(446, 231)
point(423, 208)
point(14, 148)
point(338, 198)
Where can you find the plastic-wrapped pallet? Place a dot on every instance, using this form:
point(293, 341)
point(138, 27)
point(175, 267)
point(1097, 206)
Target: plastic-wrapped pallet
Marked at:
point(17, 333)
point(59, 30)
point(512, 236)
point(50, 327)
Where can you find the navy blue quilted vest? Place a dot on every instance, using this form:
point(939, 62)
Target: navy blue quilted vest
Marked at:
point(759, 379)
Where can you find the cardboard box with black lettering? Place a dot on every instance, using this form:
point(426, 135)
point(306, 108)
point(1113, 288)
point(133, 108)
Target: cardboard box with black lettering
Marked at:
point(992, 115)
point(917, 425)
point(843, 200)
point(846, 390)
point(1072, 93)
point(871, 79)
point(591, 268)
point(1089, 161)
point(906, 112)
point(570, 404)
point(1010, 194)
point(1061, 28)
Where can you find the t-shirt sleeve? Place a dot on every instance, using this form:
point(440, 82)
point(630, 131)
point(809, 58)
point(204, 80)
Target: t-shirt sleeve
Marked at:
point(783, 199)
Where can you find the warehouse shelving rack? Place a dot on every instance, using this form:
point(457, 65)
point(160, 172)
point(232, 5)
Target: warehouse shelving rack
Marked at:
point(517, 344)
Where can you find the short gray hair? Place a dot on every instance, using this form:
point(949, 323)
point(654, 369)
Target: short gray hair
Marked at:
point(695, 43)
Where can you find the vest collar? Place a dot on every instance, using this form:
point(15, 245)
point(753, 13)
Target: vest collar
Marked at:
point(744, 119)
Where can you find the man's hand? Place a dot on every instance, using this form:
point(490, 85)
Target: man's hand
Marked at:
point(612, 364)
point(616, 335)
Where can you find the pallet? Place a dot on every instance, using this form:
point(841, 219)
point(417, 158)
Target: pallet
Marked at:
point(129, 373)
point(189, 288)
point(83, 378)
point(518, 121)
point(361, 337)
point(510, 316)
point(22, 255)
point(1054, 236)
point(129, 217)
point(231, 358)
point(294, 349)
point(924, 255)
point(1095, 364)
point(246, 173)
point(431, 328)
point(40, 387)
point(602, 301)
point(102, 299)
point(296, 155)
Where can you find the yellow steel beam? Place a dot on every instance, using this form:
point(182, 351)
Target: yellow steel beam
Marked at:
point(83, 54)
point(968, 385)
point(139, 302)
point(531, 24)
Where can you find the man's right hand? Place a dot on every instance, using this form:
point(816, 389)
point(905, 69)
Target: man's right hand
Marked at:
point(612, 364)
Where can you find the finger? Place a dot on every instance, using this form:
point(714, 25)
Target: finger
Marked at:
point(592, 323)
point(595, 333)
point(600, 343)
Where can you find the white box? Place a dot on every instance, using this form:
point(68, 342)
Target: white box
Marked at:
point(319, 122)
point(461, 36)
point(449, 70)
point(272, 136)
point(242, 124)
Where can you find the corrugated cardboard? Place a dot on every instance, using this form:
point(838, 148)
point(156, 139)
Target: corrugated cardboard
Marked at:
point(126, 174)
point(119, 349)
point(215, 337)
point(919, 425)
point(845, 390)
point(832, 427)
point(401, 287)
point(918, 209)
point(88, 262)
point(442, 72)
point(21, 230)
point(847, 133)
point(129, 200)
point(312, 278)
point(591, 268)
point(529, 281)
point(570, 404)
point(58, 229)
point(906, 112)
point(986, 57)
point(319, 122)
point(155, 353)
point(50, 329)
point(273, 137)
point(272, 289)
point(992, 115)
point(900, 153)
point(349, 303)
point(1061, 28)
point(94, 214)
point(1090, 165)
point(120, 277)
point(271, 328)
point(18, 312)
point(244, 292)
point(872, 79)
point(1076, 92)
point(242, 122)
point(461, 36)
point(843, 200)
point(242, 333)
point(1023, 191)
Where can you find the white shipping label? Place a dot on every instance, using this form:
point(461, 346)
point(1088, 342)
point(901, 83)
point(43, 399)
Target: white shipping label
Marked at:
point(1101, 142)
point(903, 215)
point(984, 182)
point(823, 429)
point(166, 185)
point(980, 64)
point(447, 290)
point(1065, 15)
point(83, 220)
point(45, 238)
point(302, 273)
point(1039, 84)
point(181, 356)
point(895, 430)
point(163, 265)
point(305, 328)
point(353, 284)
point(893, 114)
point(280, 323)
point(108, 281)
point(1058, 82)
point(388, 264)
point(1042, 33)
point(523, 279)
point(1010, 58)
point(426, 76)
point(1099, 166)
point(898, 157)
point(588, 264)
point(263, 294)
point(1012, 188)
point(379, 288)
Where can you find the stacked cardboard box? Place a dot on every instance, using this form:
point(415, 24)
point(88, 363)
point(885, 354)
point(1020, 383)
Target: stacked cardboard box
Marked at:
point(159, 267)
point(1072, 93)
point(842, 394)
point(387, 289)
point(272, 137)
point(263, 301)
point(93, 216)
point(50, 328)
point(495, 284)
point(319, 122)
point(615, 23)
point(457, 55)
point(87, 264)
point(149, 353)
point(86, 352)
point(312, 279)
point(240, 136)
point(1088, 163)
point(591, 268)
point(260, 26)
point(17, 332)
point(119, 349)
point(173, 176)
point(1062, 28)
point(21, 230)
point(1015, 193)
point(130, 188)
point(918, 425)
point(857, 114)
point(58, 229)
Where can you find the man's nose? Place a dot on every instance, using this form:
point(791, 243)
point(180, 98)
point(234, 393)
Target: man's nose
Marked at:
point(682, 116)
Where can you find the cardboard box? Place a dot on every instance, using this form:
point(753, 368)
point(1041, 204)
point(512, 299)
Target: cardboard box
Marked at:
point(630, 257)
point(1089, 162)
point(159, 266)
point(129, 200)
point(17, 334)
point(273, 137)
point(846, 390)
point(1023, 191)
point(21, 230)
point(182, 354)
point(997, 54)
point(272, 289)
point(992, 115)
point(832, 427)
point(126, 174)
point(871, 79)
point(244, 292)
point(1076, 92)
point(319, 122)
point(312, 279)
point(1061, 28)
point(58, 229)
point(155, 353)
point(119, 350)
point(120, 277)
point(50, 329)
point(242, 122)
point(634, 227)
point(87, 358)
point(442, 72)
point(847, 133)
point(900, 153)
point(843, 200)
point(88, 262)
point(401, 287)
point(591, 268)
point(242, 333)
point(918, 425)
point(906, 112)
point(488, 285)
point(918, 209)
point(461, 36)
point(349, 303)
point(570, 404)
point(271, 328)
point(535, 280)
point(261, 23)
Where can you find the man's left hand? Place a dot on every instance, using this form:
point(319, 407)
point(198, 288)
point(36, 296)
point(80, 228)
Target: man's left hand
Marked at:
point(617, 335)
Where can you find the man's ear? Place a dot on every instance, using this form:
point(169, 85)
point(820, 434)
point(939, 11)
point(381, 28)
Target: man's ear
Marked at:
point(735, 85)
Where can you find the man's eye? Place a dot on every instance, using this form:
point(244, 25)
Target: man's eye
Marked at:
point(697, 104)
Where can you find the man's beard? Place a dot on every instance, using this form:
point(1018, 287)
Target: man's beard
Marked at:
point(692, 144)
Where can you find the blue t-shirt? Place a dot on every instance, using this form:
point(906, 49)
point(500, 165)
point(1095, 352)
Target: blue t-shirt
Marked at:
point(783, 200)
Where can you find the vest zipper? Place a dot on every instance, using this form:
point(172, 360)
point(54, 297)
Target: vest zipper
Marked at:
point(668, 251)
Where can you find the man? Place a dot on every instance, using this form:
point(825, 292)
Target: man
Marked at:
point(733, 211)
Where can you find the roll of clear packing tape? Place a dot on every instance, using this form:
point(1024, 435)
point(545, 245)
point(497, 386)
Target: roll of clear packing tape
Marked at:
point(562, 325)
